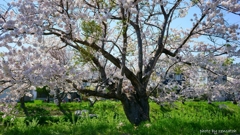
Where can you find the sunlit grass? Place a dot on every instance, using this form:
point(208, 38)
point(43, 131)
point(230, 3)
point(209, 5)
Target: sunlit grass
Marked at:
point(189, 118)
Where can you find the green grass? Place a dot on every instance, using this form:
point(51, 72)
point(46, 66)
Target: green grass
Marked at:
point(193, 118)
point(38, 102)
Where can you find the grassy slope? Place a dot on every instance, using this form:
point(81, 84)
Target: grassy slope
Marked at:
point(191, 118)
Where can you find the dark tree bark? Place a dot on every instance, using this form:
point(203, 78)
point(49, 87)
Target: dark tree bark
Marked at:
point(48, 98)
point(58, 97)
point(135, 103)
point(22, 102)
point(135, 108)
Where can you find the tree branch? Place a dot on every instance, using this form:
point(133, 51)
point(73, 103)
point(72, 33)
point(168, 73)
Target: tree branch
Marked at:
point(94, 93)
point(203, 67)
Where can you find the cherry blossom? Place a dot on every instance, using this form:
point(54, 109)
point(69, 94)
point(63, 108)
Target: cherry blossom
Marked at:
point(132, 49)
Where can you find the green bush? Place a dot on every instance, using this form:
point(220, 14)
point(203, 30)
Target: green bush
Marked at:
point(7, 121)
point(38, 101)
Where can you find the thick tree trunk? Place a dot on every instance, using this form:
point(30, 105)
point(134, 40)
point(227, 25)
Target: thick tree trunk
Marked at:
point(135, 108)
point(22, 102)
point(48, 99)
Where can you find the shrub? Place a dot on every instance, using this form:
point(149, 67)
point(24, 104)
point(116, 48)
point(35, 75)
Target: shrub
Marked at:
point(38, 101)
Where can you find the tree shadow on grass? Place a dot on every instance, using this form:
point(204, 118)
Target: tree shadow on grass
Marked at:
point(219, 109)
point(214, 109)
point(44, 115)
point(34, 111)
point(165, 109)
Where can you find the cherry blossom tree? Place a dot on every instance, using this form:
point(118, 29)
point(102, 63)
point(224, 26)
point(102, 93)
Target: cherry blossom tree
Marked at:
point(218, 81)
point(28, 67)
point(122, 41)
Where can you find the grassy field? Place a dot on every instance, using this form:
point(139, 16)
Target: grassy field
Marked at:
point(191, 118)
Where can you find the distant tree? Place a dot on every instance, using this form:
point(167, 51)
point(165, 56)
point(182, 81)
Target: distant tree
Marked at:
point(44, 90)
